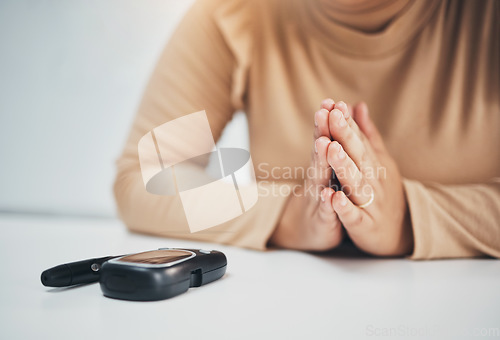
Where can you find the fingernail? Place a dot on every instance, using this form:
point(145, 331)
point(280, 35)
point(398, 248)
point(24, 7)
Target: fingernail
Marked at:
point(315, 148)
point(345, 109)
point(315, 121)
point(343, 201)
point(340, 118)
point(328, 102)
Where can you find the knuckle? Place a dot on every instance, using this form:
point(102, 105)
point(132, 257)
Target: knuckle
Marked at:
point(323, 140)
point(355, 217)
point(358, 220)
point(365, 158)
point(347, 133)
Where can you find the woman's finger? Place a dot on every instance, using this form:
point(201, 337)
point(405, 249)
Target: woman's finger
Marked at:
point(349, 214)
point(349, 139)
point(320, 172)
point(366, 125)
point(321, 124)
point(346, 110)
point(325, 210)
point(328, 104)
point(348, 174)
point(347, 116)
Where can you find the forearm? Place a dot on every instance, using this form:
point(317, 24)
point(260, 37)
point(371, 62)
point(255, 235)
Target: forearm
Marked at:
point(454, 220)
point(164, 215)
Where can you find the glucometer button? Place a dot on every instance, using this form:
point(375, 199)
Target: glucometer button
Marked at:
point(203, 251)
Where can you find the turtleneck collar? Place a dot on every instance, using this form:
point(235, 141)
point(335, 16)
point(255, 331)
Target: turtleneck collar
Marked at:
point(365, 16)
point(366, 31)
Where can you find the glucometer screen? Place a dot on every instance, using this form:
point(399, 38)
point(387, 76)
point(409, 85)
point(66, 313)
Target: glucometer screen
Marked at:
point(156, 257)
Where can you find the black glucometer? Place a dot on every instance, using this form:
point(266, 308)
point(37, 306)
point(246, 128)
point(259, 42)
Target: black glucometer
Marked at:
point(160, 274)
point(151, 275)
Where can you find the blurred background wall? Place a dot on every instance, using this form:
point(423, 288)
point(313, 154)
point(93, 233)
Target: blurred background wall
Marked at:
point(71, 77)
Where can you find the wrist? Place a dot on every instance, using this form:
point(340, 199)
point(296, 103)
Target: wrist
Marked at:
point(284, 235)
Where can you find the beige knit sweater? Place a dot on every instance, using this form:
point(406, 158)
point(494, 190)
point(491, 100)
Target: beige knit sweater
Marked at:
point(431, 79)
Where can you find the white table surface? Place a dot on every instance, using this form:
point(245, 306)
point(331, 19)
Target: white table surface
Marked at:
point(276, 294)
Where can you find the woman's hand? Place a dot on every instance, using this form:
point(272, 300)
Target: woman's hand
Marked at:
point(309, 221)
point(372, 206)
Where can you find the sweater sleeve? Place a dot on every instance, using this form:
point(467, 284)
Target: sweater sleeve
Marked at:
point(454, 220)
point(203, 67)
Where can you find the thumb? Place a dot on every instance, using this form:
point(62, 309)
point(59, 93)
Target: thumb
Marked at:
point(366, 125)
